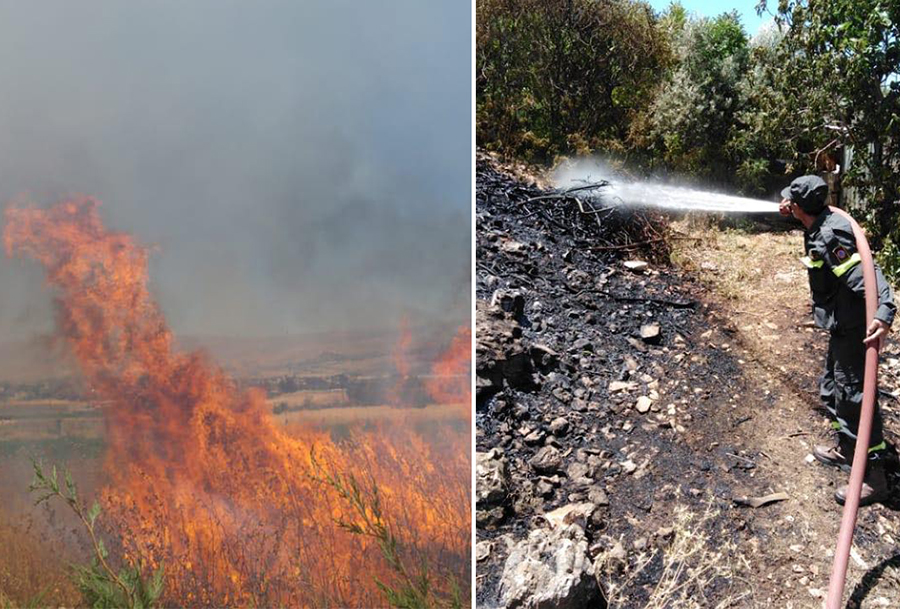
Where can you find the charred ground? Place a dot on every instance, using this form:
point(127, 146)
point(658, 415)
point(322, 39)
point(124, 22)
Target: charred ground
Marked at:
point(645, 404)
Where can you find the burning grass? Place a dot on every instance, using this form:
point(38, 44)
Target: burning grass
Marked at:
point(203, 481)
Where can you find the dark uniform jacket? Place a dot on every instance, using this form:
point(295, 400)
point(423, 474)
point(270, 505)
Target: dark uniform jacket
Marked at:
point(836, 277)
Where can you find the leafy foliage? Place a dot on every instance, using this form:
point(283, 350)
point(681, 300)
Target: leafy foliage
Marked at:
point(839, 85)
point(101, 587)
point(694, 112)
point(555, 76)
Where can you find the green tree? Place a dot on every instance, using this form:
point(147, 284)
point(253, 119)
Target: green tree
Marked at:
point(694, 111)
point(757, 138)
point(561, 76)
point(838, 84)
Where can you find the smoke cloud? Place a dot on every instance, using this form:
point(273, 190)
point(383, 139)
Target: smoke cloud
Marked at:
point(299, 166)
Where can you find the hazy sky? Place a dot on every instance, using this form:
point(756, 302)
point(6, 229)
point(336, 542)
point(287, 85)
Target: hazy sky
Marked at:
point(301, 165)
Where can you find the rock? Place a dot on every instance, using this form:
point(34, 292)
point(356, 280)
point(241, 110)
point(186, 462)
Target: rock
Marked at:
point(577, 470)
point(643, 404)
point(618, 552)
point(513, 247)
point(598, 497)
point(579, 405)
point(543, 488)
point(521, 412)
point(617, 386)
point(629, 466)
point(483, 550)
point(575, 513)
point(635, 266)
point(559, 426)
point(545, 357)
point(561, 394)
point(550, 569)
point(595, 464)
point(535, 437)
point(490, 519)
point(509, 301)
point(650, 333)
point(582, 345)
point(484, 389)
point(547, 460)
point(665, 534)
point(637, 344)
point(491, 478)
point(501, 359)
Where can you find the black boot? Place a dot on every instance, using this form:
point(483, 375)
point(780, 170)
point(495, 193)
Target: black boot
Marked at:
point(840, 455)
point(874, 488)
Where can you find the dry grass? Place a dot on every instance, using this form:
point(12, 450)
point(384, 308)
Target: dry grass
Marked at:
point(311, 399)
point(31, 572)
point(692, 565)
point(354, 415)
point(740, 265)
point(325, 410)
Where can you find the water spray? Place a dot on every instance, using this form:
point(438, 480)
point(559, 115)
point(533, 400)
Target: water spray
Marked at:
point(598, 183)
point(678, 198)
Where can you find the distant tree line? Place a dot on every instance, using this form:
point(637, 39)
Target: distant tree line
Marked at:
point(673, 93)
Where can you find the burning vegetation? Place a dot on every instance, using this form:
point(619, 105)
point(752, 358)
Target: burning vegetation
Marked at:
point(201, 480)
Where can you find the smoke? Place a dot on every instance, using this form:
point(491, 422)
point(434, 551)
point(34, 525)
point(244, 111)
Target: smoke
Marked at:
point(297, 166)
point(580, 171)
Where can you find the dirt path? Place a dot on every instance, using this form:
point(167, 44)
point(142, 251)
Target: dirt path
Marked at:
point(761, 296)
point(661, 436)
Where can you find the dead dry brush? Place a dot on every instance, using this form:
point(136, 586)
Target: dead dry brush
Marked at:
point(693, 563)
point(32, 572)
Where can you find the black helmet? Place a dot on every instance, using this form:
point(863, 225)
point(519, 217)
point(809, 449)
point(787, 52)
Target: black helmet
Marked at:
point(809, 192)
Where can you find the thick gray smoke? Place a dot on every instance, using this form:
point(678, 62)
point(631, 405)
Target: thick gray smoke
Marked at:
point(301, 166)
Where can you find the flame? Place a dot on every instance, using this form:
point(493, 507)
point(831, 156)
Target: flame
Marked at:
point(200, 477)
point(451, 373)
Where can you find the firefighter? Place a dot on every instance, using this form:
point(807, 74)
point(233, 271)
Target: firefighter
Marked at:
point(838, 303)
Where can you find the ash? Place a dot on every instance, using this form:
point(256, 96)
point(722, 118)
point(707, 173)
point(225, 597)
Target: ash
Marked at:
point(597, 379)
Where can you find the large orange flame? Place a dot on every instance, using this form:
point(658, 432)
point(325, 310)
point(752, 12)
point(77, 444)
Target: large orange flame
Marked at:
point(200, 476)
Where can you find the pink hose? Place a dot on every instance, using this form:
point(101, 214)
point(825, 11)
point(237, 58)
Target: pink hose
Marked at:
point(864, 432)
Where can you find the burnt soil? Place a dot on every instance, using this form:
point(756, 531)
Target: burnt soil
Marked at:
point(733, 408)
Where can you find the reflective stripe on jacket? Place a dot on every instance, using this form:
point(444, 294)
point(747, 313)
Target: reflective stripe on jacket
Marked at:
point(836, 276)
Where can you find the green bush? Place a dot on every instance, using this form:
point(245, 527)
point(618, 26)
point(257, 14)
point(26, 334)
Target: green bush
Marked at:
point(561, 76)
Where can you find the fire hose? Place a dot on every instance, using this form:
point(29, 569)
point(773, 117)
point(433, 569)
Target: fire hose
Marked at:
point(864, 431)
